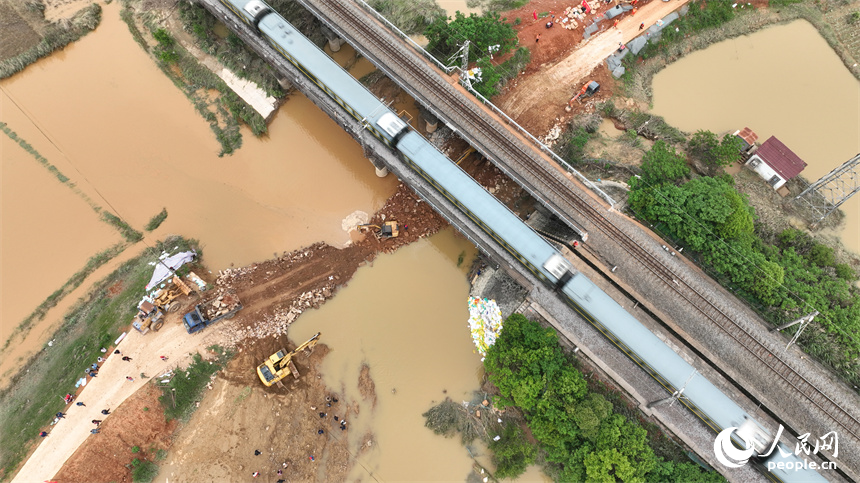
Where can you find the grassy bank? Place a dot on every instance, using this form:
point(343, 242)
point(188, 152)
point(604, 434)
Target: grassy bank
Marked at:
point(95, 321)
point(55, 37)
point(186, 386)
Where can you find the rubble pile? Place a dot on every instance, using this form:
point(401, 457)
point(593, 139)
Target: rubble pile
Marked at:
point(572, 15)
point(223, 303)
point(276, 324)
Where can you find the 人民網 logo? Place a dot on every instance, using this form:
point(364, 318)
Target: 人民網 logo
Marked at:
point(725, 451)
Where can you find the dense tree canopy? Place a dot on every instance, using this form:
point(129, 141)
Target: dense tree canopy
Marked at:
point(662, 164)
point(482, 31)
point(579, 433)
point(713, 152)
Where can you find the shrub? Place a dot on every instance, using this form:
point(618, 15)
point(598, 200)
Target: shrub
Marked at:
point(144, 471)
point(822, 256)
point(156, 220)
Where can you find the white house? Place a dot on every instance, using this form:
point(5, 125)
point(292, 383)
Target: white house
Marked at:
point(775, 163)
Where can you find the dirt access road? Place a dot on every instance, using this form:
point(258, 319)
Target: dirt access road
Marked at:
point(273, 293)
point(543, 94)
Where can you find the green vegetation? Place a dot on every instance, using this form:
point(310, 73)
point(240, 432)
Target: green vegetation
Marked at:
point(512, 454)
point(854, 18)
point(579, 435)
point(184, 389)
point(56, 37)
point(496, 5)
point(782, 276)
point(166, 49)
point(156, 220)
point(143, 471)
point(135, 449)
point(713, 152)
point(703, 14)
point(410, 16)
point(572, 147)
point(127, 232)
point(230, 51)
point(482, 31)
point(494, 77)
point(30, 149)
point(662, 164)
point(95, 321)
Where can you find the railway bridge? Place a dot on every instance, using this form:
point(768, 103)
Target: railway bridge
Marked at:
point(706, 320)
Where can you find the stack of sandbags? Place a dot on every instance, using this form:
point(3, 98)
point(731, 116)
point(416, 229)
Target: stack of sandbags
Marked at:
point(485, 323)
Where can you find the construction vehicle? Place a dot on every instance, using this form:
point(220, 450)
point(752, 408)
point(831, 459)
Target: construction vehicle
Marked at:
point(148, 317)
point(165, 297)
point(389, 229)
point(224, 306)
point(587, 90)
point(280, 364)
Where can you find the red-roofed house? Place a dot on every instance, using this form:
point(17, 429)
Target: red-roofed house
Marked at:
point(775, 163)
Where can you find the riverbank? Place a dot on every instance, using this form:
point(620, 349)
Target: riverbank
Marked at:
point(637, 81)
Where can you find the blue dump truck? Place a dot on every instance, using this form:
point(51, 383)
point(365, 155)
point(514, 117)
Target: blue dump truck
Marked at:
point(224, 306)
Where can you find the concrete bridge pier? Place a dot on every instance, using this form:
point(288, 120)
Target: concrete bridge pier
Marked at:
point(334, 42)
point(429, 118)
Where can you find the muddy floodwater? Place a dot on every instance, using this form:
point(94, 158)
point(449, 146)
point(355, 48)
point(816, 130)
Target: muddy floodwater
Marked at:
point(453, 6)
point(406, 317)
point(783, 81)
point(105, 115)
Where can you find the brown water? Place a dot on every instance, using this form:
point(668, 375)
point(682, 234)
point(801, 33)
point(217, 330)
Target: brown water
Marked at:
point(407, 319)
point(452, 6)
point(102, 112)
point(783, 81)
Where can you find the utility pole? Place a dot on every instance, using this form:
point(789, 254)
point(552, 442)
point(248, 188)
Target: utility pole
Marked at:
point(675, 395)
point(803, 321)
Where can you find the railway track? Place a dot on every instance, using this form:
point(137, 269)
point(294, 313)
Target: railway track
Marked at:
point(432, 85)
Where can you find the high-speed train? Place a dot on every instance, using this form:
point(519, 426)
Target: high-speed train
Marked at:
point(541, 258)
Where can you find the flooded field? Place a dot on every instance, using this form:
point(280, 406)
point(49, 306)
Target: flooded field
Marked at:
point(48, 233)
point(405, 318)
point(133, 143)
point(783, 81)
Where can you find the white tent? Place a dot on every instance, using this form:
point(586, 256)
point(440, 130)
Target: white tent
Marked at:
point(165, 267)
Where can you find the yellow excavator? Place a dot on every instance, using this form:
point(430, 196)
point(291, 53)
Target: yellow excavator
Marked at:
point(280, 364)
point(389, 229)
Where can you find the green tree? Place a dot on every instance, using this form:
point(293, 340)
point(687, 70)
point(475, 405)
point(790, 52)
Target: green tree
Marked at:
point(705, 146)
point(482, 32)
point(821, 255)
point(512, 453)
point(590, 415)
point(662, 164)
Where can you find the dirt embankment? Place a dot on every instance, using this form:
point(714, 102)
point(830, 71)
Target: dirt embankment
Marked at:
point(137, 429)
point(563, 61)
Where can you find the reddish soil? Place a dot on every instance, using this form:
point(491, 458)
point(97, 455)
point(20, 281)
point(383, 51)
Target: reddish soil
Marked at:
point(562, 61)
point(138, 422)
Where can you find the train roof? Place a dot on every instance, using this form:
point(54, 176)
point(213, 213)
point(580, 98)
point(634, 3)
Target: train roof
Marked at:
point(513, 231)
point(331, 77)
